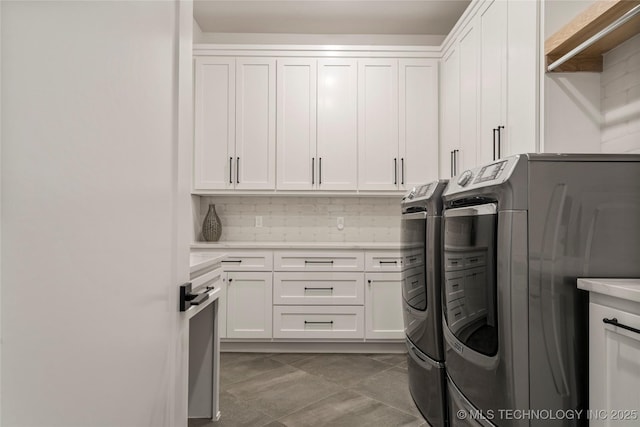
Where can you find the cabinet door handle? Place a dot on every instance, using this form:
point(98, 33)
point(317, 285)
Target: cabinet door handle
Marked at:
point(313, 170)
point(500, 141)
point(494, 142)
point(389, 262)
point(318, 289)
point(306, 322)
point(614, 322)
point(230, 170)
point(402, 170)
point(237, 170)
point(395, 171)
point(455, 162)
point(306, 261)
point(319, 170)
point(451, 163)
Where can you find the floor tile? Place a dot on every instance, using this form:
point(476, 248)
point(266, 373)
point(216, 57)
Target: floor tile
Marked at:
point(228, 359)
point(350, 409)
point(282, 390)
point(391, 359)
point(235, 413)
point(245, 369)
point(391, 388)
point(344, 369)
point(289, 358)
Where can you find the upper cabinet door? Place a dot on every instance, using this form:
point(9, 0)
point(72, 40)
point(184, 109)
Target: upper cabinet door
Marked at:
point(418, 122)
point(255, 124)
point(379, 161)
point(493, 47)
point(337, 124)
point(214, 123)
point(450, 115)
point(469, 48)
point(296, 130)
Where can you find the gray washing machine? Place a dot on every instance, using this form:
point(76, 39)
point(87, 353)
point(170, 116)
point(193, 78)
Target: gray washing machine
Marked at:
point(421, 233)
point(517, 233)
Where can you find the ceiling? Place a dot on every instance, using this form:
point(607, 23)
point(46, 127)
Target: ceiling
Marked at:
point(411, 17)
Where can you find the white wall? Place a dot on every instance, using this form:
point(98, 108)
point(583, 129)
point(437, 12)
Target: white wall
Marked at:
point(90, 182)
point(571, 101)
point(305, 219)
point(621, 98)
point(320, 39)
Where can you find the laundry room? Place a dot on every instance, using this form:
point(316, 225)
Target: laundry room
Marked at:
point(320, 213)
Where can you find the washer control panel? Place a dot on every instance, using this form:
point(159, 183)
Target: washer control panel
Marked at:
point(493, 173)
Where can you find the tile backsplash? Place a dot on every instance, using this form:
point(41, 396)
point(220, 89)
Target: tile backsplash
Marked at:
point(620, 91)
point(302, 219)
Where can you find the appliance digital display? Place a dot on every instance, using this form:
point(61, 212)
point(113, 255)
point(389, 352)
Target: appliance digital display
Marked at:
point(490, 172)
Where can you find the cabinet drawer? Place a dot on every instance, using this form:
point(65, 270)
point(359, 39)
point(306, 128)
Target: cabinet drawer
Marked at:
point(318, 322)
point(382, 261)
point(248, 261)
point(318, 288)
point(210, 279)
point(319, 261)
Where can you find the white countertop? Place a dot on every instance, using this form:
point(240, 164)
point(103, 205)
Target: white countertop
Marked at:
point(201, 260)
point(627, 289)
point(296, 245)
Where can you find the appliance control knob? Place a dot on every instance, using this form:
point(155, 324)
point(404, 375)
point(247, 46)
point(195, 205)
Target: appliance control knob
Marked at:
point(465, 178)
point(412, 194)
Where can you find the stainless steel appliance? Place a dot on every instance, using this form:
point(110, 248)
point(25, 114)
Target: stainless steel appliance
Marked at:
point(516, 234)
point(421, 237)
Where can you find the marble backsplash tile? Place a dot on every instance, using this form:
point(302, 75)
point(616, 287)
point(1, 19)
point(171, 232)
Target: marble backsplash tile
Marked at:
point(303, 219)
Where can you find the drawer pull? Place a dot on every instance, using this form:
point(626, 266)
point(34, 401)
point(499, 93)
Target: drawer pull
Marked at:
point(330, 322)
point(318, 289)
point(415, 282)
point(389, 262)
point(318, 262)
point(238, 261)
point(614, 322)
point(412, 259)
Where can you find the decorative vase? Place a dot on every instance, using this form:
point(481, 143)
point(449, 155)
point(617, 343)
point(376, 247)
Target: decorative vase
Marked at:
point(211, 226)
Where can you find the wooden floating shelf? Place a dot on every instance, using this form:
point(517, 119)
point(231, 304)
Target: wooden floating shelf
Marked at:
point(590, 22)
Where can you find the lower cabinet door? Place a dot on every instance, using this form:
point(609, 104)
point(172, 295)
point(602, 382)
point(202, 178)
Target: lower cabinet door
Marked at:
point(324, 322)
point(249, 303)
point(614, 366)
point(383, 302)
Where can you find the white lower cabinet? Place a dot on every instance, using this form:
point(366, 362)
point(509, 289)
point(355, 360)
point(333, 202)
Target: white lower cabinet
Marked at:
point(383, 306)
point(614, 365)
point(249, 304)
point(312, 322)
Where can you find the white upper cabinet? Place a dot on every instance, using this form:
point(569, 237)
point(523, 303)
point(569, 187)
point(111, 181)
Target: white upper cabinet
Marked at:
point(489, 81)
point(255, 123)
point(493, 81)
point(296, 140)
point(379, 159)
point(418, 121)
point(337, 128)
point(215, 106)
point(234, 123)
point(450, 113)
point(469, 47)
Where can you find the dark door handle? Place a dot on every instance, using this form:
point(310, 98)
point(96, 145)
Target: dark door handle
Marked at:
point(319, 170)
point(230, 170)
point(395, 171)
point(494, 142)
point(187, 299)
point(237, 170)
point(313, 170)
point(318, 289)
point(614, 322)
point(402, 170)
point(306, 322)
point(500, 141)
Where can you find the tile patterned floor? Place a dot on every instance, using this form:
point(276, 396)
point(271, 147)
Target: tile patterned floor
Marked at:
point(309, 390)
